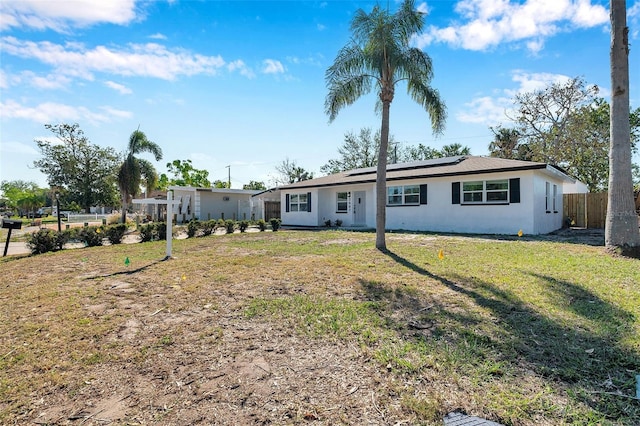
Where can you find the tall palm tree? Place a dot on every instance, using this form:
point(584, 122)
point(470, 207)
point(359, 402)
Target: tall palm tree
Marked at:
point(380, 57)
point(135, 171)
point(621, 226)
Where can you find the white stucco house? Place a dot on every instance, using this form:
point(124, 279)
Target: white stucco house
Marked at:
point(465, 194)
point(205, 204)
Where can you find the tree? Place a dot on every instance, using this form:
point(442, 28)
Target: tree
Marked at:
point(220, 184)
point(421, 152)
point(621, 226)
point(136, 171)
point(543, 115)
point(22, 195)
point(254, 185)
point(86, 172)
point(184, 174)
point(290, 172)
point(380, 55)
point(506, 144)
point(357, 151)
point(565, 125)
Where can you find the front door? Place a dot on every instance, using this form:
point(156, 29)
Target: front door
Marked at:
point(359, 208)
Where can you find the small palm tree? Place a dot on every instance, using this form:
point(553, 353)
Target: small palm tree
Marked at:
point(135, 171)
point(380, 56)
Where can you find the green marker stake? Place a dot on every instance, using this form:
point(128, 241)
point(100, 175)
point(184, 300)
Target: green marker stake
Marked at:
point(127, 262)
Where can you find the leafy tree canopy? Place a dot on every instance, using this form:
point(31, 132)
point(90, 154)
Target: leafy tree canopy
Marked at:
point(565, 124)
point(254, 185)
point(184, 174)
point(290, 172)
point(22, 195)
point(86, 172)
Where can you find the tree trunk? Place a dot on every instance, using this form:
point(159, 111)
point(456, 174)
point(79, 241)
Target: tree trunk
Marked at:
point(621, 227)
point(125, 196)
point(381, 179)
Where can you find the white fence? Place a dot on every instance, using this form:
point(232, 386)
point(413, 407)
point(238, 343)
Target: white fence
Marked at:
point(82, 218)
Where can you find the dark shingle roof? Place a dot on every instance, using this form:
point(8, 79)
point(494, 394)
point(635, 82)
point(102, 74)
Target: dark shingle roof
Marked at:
point(439, 167)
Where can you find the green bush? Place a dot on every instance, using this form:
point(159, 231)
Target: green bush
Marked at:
point(193, 227)
point(208, 227)
point(153, 232)
point(115, 233)
point(275, 223)
point(243, 225)
point(91, 236)
point(338, 223)
point(327, 223)
point(43, 241)
point(262, 225)
point(230, 226)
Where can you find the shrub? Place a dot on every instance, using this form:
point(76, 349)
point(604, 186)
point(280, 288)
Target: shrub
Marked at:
point(113, 218)
point(338, 223)
point(161, 228)
point(275, 223)
point(230, 226)
point(327, 223)
point(262, 225)
point(243, 225)
point(192, 228)
point(208, 227)
point(115, 233)
point(147, 233)
point(91, 236)
point(43, 241)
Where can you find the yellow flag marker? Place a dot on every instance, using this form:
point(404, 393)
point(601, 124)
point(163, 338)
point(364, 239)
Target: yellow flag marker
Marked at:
point(520, 233)
point(98, 231)
point(441, 254)
point(184, 277)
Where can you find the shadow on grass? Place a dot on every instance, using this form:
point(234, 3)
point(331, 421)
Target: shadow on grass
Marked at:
point(126, 271)
point(589, 361)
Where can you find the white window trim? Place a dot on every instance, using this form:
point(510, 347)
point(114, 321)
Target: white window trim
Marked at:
point(485, 191)
point(403, 195)
point(298, 202)
point(346, 202)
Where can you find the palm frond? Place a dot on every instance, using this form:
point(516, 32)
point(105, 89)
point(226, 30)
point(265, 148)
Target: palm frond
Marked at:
point(148, 174)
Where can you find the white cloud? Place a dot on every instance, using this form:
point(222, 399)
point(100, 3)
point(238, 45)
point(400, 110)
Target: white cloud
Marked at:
point(241, 67)
point(271, 66)
point(48, 112)
point(423, 8)
point(148, 60)
point(488, 23)
point(62, 15)
point(122, 89)
point(158, 36)
point(492, 110)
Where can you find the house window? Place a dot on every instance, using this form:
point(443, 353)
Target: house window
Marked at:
point(403, 195)
point(547, 197)
point(490, 191)
point(555, 198)
point(342, 202)
point(298, 202)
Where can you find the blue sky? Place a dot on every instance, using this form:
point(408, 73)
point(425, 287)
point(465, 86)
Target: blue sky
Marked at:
point(241, 83)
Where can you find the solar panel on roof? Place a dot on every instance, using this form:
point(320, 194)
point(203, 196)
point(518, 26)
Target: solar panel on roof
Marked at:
point(434, 162)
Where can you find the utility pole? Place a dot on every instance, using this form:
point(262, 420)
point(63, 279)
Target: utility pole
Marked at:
point(229, 181)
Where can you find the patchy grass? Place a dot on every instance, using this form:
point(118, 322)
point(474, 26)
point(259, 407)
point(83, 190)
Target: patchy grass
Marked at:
point(319, 326)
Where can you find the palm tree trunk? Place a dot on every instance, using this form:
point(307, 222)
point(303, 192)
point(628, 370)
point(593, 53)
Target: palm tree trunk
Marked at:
point(621, 227)
point(125, 196)
point(381, 179)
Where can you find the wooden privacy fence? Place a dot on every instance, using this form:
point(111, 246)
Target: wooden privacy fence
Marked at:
point(586, 210)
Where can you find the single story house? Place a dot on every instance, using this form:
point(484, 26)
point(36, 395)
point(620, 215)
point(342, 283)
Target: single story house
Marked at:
point(204, 204)
point(465, 194)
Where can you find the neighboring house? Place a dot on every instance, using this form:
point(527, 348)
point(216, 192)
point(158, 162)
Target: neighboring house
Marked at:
point(465, 194)
point(204, 204)
point(266, 204)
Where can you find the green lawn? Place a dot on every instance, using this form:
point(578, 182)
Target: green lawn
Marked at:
point(522, 331)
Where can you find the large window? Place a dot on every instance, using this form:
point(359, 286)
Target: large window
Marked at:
point(403, 195)
point(489, 191)
point(298, 203)
point(342, 202)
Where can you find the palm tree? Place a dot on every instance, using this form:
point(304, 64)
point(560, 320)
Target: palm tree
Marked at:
point(135, 171)
point(380, 56)
point(621, 226)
